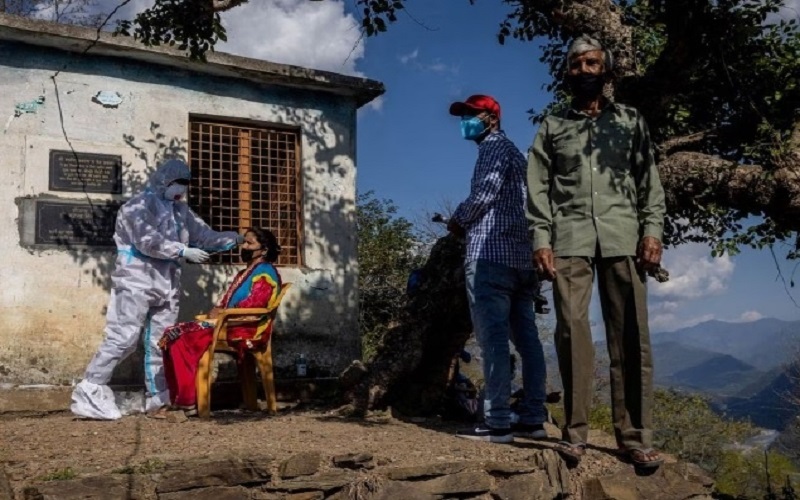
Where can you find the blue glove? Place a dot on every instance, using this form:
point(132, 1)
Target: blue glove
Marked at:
point(194, 255)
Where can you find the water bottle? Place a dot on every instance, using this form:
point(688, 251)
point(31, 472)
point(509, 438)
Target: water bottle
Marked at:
point(301, 365)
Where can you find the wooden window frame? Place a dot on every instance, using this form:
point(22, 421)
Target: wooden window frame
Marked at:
point(249, 131)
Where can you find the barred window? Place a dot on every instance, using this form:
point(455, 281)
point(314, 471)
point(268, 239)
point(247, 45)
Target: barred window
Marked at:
point(247, 176)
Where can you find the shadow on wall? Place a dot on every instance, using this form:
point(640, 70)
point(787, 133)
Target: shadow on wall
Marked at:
point(314, 312)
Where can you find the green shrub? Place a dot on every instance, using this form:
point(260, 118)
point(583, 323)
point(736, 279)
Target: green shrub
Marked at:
point(751, 474)
point(686, 426)
point(60, 475)
point(386, 257)
point(147, 467)
point(600, 417)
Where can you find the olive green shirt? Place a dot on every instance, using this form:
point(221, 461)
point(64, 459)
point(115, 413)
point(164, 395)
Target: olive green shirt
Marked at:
point(593, 183)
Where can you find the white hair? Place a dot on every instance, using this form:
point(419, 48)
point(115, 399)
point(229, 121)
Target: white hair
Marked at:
point(583, 44)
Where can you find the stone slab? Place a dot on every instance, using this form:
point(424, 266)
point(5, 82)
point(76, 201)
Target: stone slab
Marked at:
point(44, 399)
point(131, 487)
point(213, 493)
point(425, 471)
point(302, 464)
point(207, 473)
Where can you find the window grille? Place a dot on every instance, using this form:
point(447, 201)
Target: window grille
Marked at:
point(247, 176)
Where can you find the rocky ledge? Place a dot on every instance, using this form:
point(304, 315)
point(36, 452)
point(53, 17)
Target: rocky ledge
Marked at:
point(307, 476)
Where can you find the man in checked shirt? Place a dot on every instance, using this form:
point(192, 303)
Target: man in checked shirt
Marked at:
point(501, 281)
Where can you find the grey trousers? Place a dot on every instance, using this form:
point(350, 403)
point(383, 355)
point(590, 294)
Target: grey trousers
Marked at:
point(623, 298)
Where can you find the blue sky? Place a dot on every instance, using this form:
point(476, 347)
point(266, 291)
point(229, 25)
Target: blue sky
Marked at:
point(410, 150)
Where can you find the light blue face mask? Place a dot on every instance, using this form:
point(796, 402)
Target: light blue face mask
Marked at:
point(472, 127)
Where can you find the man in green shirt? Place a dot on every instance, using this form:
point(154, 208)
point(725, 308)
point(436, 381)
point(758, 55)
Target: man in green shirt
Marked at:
point(596, 206)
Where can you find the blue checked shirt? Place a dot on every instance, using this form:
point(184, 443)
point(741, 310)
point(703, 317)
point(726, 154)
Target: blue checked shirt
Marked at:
point(494, 213)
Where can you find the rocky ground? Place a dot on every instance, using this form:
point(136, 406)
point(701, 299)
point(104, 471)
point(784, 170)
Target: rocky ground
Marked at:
point(47, 451)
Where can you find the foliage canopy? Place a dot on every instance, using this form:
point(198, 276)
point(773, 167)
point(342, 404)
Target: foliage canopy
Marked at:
point(718, 80)
point(386, 256)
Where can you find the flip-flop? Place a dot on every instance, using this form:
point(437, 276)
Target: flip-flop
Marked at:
point(638, 457)
point(571, 453)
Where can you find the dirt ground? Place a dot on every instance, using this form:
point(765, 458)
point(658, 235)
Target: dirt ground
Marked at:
point(37, 447)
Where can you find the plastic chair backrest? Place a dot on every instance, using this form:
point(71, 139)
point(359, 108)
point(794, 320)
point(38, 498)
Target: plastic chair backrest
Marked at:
point(269, 318)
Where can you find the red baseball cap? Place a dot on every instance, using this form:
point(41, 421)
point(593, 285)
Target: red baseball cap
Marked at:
point(476, 103)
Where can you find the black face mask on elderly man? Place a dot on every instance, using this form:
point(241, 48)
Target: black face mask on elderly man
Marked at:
point(585, 85)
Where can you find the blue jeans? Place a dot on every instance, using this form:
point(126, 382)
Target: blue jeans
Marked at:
point(501, 304)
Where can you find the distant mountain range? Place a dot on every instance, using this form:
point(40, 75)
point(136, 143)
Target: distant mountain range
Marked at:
point(764, 344)
point(742, 367)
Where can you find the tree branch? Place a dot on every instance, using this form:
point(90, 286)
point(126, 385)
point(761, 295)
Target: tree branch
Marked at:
point(673, 144)
point(690, 177)
point(223, 5)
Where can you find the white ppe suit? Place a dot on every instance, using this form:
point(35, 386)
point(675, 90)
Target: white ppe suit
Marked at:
point(151, 234)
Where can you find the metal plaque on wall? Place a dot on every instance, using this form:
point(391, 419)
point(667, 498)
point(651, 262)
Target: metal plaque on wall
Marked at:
point(75, 223)
point(85, 172)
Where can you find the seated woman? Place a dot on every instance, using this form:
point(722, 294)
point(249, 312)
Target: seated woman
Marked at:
point(255, 286)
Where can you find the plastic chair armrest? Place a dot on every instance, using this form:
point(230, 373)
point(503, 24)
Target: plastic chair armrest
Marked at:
point(240, 311)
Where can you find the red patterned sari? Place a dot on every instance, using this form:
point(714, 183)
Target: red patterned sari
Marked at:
point(185, 343)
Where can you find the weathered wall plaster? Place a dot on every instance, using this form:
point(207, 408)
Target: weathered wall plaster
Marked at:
point(52, 300)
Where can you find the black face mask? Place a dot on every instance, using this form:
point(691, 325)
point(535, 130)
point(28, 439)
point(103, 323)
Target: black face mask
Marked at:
point(247, 255)
point(583, 85)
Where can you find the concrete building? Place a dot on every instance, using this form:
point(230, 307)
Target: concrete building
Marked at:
point(86, 118)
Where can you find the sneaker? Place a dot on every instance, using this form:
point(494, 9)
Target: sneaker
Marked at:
point(486, 433)
point(532, 431)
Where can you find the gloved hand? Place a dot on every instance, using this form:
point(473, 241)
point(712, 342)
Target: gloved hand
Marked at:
point(194, 255)
point(239, 239)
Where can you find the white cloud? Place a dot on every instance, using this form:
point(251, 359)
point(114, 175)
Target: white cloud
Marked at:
point(439, 67)
point(130, 10)
point(693, 274)
point(318, 35)
point(749, 317)
point(436, 66)
point(668, 319)
point(409, 57)
point(668, 306)
point(668, 322)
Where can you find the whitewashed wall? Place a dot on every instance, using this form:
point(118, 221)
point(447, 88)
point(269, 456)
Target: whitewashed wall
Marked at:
point(52, 301)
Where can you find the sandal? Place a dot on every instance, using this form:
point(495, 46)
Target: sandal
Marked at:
point(643, 458)
point(158, 413)
point(188, 410)
point(571, 453)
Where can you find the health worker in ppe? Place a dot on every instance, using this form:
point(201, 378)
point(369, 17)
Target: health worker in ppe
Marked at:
point(155, 231)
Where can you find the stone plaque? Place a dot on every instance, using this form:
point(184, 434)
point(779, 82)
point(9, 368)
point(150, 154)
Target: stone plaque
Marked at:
point(75, 223)
point(85, 172)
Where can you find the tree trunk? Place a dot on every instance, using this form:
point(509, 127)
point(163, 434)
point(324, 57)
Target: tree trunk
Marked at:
point(412, 363)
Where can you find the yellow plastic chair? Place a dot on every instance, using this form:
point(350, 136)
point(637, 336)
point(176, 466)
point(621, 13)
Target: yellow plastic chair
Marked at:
point(262, 355)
